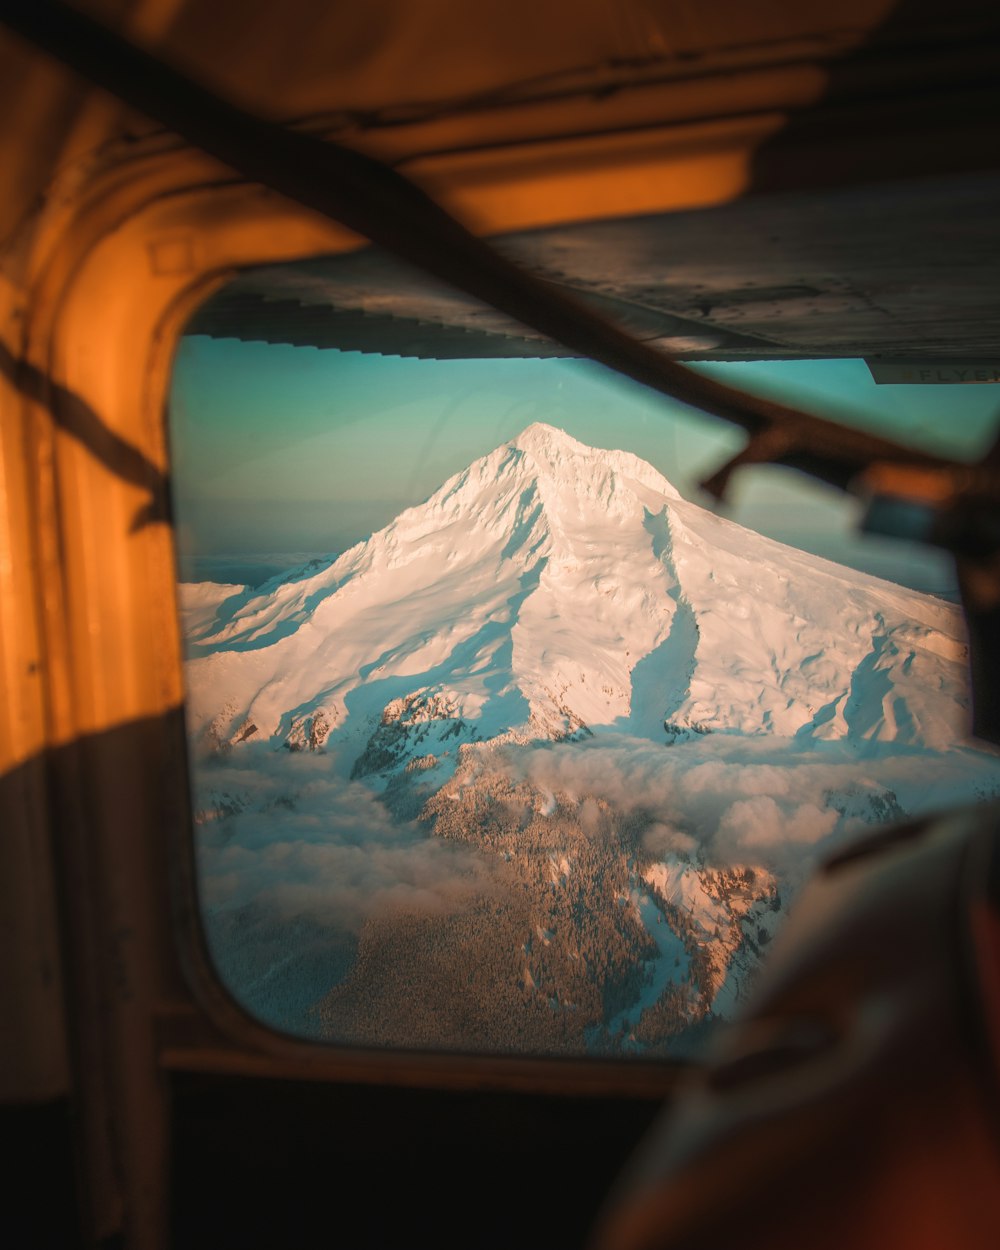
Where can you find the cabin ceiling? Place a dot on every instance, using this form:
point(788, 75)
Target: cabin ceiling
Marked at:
point(863, 223)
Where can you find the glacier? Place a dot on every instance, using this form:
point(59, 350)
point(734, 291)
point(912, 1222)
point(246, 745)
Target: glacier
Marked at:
point(551, 587)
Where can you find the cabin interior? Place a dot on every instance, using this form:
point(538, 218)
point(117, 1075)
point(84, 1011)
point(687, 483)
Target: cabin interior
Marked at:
point(830, 176)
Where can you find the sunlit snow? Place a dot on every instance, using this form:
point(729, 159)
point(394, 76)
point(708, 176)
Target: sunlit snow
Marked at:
point(556, 663)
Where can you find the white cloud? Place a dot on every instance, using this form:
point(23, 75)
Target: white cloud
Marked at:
point(758, 824)
point(765, 799)
point(291, 836)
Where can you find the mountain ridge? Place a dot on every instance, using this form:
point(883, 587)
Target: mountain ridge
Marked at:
point(551, 588)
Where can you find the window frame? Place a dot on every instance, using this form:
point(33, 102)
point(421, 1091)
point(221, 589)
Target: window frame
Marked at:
point(153, 234)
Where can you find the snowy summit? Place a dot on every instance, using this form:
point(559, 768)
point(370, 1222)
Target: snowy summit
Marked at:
point(552, 589)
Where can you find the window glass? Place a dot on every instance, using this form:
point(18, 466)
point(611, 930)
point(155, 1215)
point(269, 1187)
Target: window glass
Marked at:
point(501, 738)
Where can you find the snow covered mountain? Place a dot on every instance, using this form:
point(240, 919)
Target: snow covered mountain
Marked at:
point(554, 589)
point(565, 744)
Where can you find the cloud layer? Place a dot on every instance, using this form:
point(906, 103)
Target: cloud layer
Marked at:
point(294, 858)
point(283, 831)
point(734, 799)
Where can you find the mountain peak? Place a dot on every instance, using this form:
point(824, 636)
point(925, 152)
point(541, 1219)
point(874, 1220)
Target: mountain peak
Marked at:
point(552, 449)
point(540, 437)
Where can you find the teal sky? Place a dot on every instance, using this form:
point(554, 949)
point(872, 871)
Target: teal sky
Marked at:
point(292, 450)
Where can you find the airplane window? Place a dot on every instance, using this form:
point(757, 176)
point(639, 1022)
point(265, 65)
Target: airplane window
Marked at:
point(501, 738)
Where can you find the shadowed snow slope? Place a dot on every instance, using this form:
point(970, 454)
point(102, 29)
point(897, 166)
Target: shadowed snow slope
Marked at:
point(553, 589)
